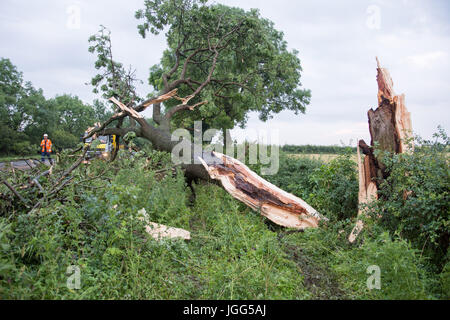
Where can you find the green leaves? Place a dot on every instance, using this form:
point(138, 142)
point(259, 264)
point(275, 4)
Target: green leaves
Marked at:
point(253, 71)
point(415, 196)
point(113, 80)
point(25, 114)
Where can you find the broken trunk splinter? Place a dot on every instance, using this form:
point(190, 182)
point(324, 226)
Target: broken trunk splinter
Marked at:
point(277, 205)
point(160, 231)
point(390, 126)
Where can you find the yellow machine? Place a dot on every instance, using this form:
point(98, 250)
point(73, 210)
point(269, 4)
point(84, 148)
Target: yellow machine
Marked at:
point(102, 147)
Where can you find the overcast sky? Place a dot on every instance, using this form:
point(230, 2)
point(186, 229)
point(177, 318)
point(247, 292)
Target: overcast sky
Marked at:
point(337, 43)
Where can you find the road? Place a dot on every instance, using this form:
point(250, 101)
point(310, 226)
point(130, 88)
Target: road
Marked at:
point(22, 164)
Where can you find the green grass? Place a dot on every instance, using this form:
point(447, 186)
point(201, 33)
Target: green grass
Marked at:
point(234, 253)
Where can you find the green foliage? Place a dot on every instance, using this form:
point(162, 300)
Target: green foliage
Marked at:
point(25, 115)
point(414, 198)
point(445, 281)
point(22, 109)
point(113, 80)
point(73, 115)
point(335, 188)
point(232, 255)
point(6, 258)
point(402, 275)
point(63, 139)
point(294, 175)
point(331, 188)
point(308, 149)
point(253, 70)
point(94, 223)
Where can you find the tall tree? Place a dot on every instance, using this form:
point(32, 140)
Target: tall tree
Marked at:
point(234, 61)
point(20, 107)
point(25, 114)
point(224, 61)
point(221, 63)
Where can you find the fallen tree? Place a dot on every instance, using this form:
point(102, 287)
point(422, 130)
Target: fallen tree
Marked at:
point(237, 179)
point(391, 130)
point(277, 205)
point(212, 70)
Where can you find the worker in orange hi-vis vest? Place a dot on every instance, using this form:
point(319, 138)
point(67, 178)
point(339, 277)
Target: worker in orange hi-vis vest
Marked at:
point(46, 145)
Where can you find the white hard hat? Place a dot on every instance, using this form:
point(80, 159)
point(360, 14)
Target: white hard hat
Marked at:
point(45, 135)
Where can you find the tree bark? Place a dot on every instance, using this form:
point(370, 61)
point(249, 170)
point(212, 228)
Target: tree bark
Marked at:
point(277, 205)
point(390, 129)
point(245, 185)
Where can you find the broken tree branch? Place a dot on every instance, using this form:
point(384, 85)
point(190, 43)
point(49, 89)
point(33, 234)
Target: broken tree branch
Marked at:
point(10, 187)
point(277, 205)
point(73, 166)
point(181, 107)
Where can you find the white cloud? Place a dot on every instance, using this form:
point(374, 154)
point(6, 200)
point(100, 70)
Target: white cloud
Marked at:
point(336, 47)
point(427, 59)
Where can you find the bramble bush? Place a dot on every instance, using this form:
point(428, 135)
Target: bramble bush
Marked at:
point(94, 224)
point(414, 199)
point(331, 188)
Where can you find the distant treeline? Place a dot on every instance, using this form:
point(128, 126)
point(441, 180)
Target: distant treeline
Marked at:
point(25, 115)
point(316, 149)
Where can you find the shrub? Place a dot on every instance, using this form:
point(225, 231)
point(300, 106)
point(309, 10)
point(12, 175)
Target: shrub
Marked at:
point(445, 281)
point(22, 148)
point(294, 175)
point(414, 198)
point(62, 140)
point(335, 188)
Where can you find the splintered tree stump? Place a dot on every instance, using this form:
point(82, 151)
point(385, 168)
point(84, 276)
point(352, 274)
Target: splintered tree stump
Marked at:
point(246, 186)
point(390, 128)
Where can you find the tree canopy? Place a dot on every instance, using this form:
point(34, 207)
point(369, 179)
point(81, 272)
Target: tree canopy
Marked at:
point(25, 114)
point(233, 60)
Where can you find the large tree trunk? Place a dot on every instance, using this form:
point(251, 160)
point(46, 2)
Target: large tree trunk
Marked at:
point(245, 185)
point(237, 179)
point(390, 128)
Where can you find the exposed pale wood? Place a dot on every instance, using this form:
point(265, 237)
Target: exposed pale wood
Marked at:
point(161, 98)
point(403, 125)
point(160, 231)
point(277, 205)
point(389, 124)
point(130, 111)
point(367, 192)
point(390, 127)
point(185, 100)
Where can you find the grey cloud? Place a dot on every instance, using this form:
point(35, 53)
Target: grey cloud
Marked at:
point(337, 50)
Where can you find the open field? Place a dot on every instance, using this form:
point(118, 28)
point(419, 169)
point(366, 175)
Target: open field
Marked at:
point(326, 157)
